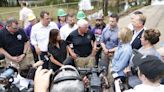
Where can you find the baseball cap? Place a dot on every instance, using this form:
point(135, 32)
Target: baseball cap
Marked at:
point(139, 58)
point(31, 17)
point(99, 16)
point(151, 66)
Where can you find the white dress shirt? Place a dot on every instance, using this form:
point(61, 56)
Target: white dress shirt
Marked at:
point(66, 30)
point(40, 35)
point(135, 34)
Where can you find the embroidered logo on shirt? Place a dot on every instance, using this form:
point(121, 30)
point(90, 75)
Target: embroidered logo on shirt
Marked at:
point(19, 37)
point(88, 36)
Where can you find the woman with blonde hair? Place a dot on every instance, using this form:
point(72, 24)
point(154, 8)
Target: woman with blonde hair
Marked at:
point(122, 54)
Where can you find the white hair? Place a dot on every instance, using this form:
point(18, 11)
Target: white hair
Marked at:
point(82, 23)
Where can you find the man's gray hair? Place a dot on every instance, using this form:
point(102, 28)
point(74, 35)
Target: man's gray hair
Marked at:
point(82, 23)
point(11, 20)
point(75, 85)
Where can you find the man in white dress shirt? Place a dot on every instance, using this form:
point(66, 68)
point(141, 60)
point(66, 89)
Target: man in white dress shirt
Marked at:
point(40, 35)
point(68, 28)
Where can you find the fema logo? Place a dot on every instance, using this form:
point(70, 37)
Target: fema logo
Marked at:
point(88, 36)
point(19, 37)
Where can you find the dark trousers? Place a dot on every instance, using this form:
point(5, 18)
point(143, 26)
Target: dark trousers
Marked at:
point(35, 55)
point(98, 56)
point(43, 56)
point(122, 85)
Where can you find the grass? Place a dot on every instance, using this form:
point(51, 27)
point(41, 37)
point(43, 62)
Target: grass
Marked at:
point(6, 12)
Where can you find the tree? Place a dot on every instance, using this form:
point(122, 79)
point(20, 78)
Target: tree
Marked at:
point(17, 2)
point(105, 7)
point(3, 3)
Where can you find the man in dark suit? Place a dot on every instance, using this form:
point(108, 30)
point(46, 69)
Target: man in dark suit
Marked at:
point(138, 23)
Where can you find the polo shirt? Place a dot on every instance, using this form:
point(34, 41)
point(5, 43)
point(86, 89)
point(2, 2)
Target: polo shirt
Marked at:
point(13, 43)
point(81, 44)
point(58, 54)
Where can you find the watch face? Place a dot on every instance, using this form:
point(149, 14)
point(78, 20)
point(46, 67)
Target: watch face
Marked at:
point(19, 37)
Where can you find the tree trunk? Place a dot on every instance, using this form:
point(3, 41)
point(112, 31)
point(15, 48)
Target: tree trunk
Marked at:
point(18, 3)
point(105, 7)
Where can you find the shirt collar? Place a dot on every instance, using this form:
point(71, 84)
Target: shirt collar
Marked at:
point(42, 26)
point(113, 29)
point(137, 32)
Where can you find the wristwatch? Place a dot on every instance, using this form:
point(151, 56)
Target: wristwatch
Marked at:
point(24, 54)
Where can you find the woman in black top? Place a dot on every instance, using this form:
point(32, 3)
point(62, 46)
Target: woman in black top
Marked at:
point(58, 50)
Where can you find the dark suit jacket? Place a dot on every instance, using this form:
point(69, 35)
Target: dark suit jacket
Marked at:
point(136, 44)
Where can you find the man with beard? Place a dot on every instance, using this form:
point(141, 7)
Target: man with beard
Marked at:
point(97, 30)
point(68, 28)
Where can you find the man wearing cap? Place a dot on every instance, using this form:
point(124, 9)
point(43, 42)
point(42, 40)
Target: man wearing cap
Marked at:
point(83, 45)
point(13, 43)
point(32, 20)
point(40, 35)
point(97, 30)
point(69, 27)
point(150, 70)
point(61, 18)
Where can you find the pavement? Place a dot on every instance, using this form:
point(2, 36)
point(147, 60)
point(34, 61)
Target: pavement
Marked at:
point(155, 19)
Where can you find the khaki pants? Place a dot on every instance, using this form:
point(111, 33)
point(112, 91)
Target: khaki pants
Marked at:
point(85, 62)
point(106, 62)
point(24, 64)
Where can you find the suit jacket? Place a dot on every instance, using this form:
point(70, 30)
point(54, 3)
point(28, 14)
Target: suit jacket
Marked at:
point(136, 44)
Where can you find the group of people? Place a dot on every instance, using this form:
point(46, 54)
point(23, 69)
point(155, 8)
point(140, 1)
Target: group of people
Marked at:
point(72, 41)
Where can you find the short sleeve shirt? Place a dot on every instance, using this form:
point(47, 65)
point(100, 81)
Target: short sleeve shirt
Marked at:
point(13, 43)
point(81, 44)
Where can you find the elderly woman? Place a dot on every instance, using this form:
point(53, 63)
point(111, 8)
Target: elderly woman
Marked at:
point(122, 54)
